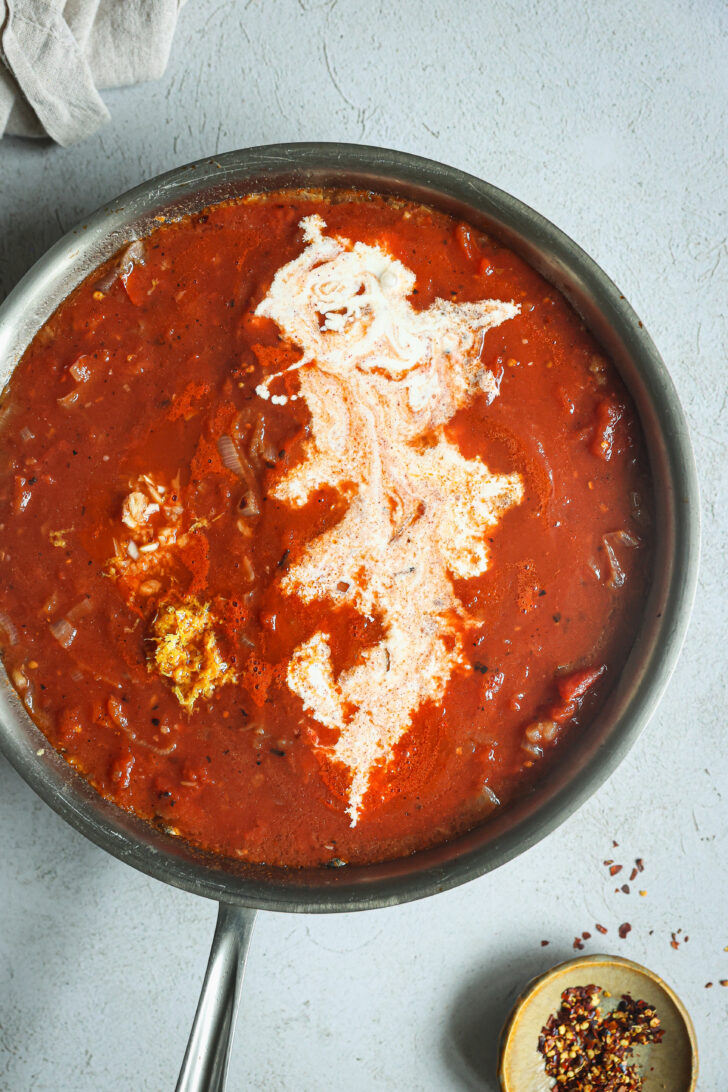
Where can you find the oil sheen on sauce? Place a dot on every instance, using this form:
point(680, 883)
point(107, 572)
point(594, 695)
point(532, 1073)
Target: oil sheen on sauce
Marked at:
point(324, 525)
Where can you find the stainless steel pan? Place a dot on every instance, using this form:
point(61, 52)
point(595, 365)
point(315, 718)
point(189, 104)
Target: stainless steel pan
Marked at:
point(242, 889)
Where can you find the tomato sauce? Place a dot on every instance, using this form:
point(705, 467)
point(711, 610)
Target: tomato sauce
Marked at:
point(148, 549)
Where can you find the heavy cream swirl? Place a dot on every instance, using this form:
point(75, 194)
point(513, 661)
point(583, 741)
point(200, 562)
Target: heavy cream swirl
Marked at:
point(381, 380)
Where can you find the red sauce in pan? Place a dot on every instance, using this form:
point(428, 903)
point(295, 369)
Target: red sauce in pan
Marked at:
point(149, 620)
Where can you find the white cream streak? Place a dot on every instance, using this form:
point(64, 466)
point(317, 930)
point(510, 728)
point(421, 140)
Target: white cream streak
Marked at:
point(381, 380)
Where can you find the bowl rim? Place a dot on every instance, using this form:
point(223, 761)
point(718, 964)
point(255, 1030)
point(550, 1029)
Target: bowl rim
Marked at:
point(656, 650)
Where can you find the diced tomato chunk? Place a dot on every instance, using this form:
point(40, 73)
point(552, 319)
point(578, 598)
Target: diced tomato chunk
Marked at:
point(136, 285)
point(573, 687)
point(607, 415)
point(465, 240)
point(120, 772)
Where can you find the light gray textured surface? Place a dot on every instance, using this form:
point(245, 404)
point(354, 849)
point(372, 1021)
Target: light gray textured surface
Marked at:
point(613, 124)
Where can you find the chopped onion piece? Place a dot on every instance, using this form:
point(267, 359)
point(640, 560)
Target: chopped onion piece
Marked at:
point(532, 749)
point(155, 491)
point(153, 747)
point(20, 680)
point(83, 607)
point(229, 455)
point(80, 370)
point(256, 442)
point(26, 434)
point(249, 505)
point(7, 627)
point(488, 795)
point(132, 549)
point(51, 604)
point(68, 399)
point(118, 715)
point(269, 453)
point(542, 731)
point(150, 587)
point(616, 572)
point(133, 255)
point(248, 570)
point(63, 632)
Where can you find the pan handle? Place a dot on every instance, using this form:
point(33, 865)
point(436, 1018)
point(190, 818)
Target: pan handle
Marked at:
point(204, 1068)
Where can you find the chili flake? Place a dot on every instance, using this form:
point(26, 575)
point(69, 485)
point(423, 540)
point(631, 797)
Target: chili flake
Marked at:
point(586, 1049)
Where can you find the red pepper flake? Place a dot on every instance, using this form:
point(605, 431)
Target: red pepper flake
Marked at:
point(586, 936)
point(615, 869)
point(578, 944)
point(608, 862)
point(601, 928)
point(624, 929)
point(708, 985)
point(615, 845)
point(724, 981)
point(625, 888)
point(545, 943)
point(585, 1048)
point(674, 943)
point(633, 874)
point(640, 864)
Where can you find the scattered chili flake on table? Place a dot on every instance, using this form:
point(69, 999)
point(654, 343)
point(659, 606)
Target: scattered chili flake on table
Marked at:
point(615, 869)
point(545, 943)
point(724, 981)
point(624, 929)
point(600, 928)
point(586, 1049)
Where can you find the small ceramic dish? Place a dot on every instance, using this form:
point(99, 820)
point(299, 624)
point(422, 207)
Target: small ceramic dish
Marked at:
point(670, 1066)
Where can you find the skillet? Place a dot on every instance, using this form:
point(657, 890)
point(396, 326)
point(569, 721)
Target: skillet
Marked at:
point(242, 888)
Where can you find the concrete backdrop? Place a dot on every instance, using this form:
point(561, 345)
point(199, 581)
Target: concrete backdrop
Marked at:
point(611, 122)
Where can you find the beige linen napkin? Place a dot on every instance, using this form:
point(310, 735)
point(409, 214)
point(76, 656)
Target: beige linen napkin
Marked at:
point(56, 55)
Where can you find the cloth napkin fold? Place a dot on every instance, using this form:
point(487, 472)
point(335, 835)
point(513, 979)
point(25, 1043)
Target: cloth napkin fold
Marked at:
point(57, 54)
